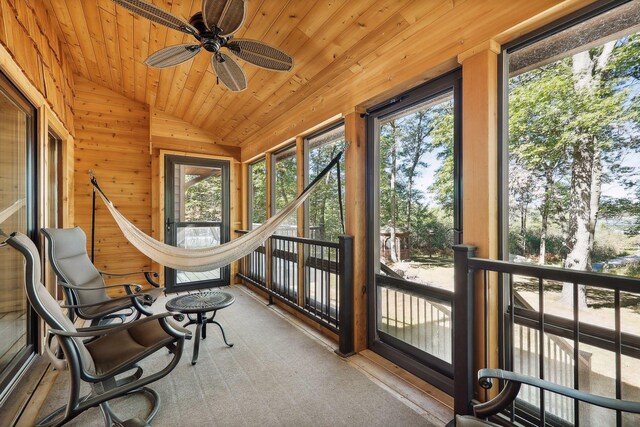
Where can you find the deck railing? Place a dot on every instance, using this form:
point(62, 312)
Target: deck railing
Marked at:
point(312, 276)
point(542, 335)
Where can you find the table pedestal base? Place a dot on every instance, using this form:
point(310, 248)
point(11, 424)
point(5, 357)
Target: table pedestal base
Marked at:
point(201, 321)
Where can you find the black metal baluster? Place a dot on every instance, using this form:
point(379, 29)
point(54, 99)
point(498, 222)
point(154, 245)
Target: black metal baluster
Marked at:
point(541, 345)
point(618, 354)
point(576, 354)
point(486, 326)
point(512, 322)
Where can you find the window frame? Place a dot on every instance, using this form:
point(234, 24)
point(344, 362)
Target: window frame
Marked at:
point(425, 366)
point(20, 361)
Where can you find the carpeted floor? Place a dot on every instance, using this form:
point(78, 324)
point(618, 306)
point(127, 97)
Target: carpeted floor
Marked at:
point(275, 375)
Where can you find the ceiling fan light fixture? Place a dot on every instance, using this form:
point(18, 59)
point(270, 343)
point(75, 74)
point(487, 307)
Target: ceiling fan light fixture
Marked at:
point(213, 28)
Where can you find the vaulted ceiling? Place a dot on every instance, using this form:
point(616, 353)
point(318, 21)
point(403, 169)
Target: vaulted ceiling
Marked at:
point(331, 40)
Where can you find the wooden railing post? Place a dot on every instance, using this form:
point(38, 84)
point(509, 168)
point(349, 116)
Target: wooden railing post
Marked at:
point(463, 330)
point(345, 308)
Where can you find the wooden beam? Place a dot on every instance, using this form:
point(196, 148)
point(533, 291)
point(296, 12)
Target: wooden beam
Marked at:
point(480, 186)
point(355, 220)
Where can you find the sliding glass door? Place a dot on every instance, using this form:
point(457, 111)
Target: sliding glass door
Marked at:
point(17, 212)
point(414, 219)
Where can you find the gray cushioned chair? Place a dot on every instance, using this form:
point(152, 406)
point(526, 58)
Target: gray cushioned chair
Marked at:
point(83, 283)
point(109, 352)
point(512, 383)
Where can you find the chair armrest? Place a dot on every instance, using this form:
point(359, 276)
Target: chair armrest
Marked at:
point(100, 331)
point(137, 287)
point(147, 275)
point(485, 375)
point(122, 298)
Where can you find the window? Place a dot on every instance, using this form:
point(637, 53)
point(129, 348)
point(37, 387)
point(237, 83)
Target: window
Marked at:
point(54, 206)
point(285, 187)
point(322, 210)
point(257, 193)
point(571, 180)
point(413, 219)
point(18, 207)
point(574, 147)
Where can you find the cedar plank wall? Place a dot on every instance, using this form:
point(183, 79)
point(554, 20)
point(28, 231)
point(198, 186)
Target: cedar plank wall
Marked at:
point(30, 35)
point(120, 140)
point(112, 139)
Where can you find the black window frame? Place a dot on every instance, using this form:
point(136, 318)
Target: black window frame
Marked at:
point(426, 366)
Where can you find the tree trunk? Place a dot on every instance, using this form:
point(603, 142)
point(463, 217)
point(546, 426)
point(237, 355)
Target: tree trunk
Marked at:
point(545, 208)
point(394, 208)
point(586, 174)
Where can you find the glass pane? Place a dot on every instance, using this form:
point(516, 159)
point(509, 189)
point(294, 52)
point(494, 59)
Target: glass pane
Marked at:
point(192, 237)
point(416, 192)
point(574, 195)
point(14, 124)
point(258, 214)
point(53, 202)
point(323, 204)
point(198, 193)
point(574, 157)
point(286, 188)
point(198, 198)
point(416, 320)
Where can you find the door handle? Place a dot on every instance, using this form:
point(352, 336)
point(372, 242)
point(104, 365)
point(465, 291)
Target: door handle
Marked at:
point(168, 223)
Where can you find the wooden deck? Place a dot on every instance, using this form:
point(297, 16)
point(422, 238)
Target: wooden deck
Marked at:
point(190, 276)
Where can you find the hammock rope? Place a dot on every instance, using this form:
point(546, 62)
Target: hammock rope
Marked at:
point(6, 213)
point(204, 259)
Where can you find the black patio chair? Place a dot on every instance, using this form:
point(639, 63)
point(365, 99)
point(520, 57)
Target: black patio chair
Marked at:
point(84, 286)
point(108, 360)
point(513, 382)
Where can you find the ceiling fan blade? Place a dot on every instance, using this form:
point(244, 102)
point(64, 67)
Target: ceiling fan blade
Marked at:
point(261, 54)
point(155, 14)
point(229, 72)
point(172, 55)
point(226, 15)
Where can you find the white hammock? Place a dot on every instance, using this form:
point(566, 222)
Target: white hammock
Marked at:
point(204, 259)
point(15, 207)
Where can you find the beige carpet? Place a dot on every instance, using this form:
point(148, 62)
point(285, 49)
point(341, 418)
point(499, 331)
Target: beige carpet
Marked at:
point(275, 375)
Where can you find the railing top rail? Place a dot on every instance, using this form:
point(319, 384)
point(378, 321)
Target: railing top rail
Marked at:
point(600, 280)
point(305, 240)
point(418, 289)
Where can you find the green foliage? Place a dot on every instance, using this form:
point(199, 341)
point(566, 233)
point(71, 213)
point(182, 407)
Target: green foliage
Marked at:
point(324, 206)
point(259, 192)
point(203, 199)
point(426, 212)
point(559, 121)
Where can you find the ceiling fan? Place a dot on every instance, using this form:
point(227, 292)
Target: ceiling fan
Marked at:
point(213, 28)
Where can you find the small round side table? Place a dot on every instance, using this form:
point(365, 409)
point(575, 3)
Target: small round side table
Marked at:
point(200, 304)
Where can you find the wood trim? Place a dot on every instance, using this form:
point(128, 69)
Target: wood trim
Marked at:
point(480, 194)
point(355, 220)
point(158, 212)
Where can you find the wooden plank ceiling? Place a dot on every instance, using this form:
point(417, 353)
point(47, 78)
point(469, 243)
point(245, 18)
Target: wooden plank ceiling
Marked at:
point(108, 46)
point(330, 40)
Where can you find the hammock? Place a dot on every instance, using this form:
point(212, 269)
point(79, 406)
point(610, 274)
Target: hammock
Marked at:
point(15, 207)
point(204, 259)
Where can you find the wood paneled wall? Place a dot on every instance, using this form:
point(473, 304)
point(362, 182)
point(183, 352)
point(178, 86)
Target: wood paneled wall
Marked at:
point(112, 139)
point(30, 35)
point(121, 141)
